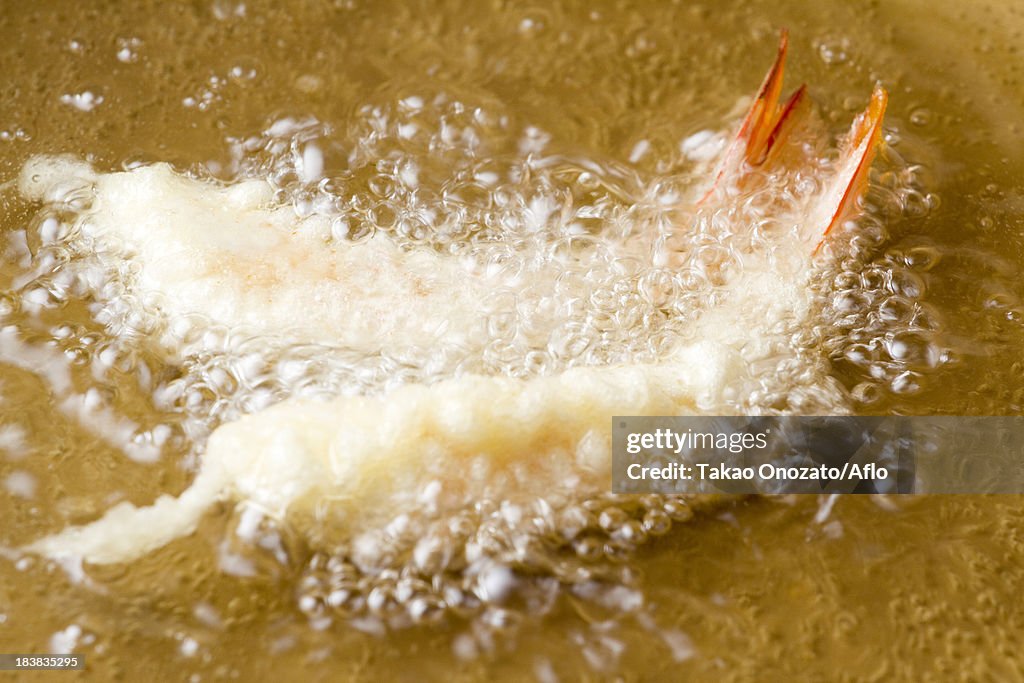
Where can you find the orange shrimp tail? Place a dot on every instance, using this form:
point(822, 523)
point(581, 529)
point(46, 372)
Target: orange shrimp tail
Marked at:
point(793, 112)
point(760, 129)
point(761, 120)
point(859, 151)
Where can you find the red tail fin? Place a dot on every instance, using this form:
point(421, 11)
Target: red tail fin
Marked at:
point(764, 124)
point(858, 152)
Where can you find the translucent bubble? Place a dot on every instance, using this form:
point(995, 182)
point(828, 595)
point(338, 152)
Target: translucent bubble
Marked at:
point(245, 70)
point(657, 522)
point(921, 116)
point(833, 52)
point(913, 349)
point(906, 383)
point(128, 49)
point(866, 393)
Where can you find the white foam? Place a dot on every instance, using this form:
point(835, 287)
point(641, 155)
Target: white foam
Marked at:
point(13, 441)
point(82, 101)
point(65, 641)
point(21, 484)
point(703, 146)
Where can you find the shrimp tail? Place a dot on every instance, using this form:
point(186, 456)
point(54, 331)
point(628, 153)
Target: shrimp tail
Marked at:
point(840, 202)
point(793, 112)
point(756, 131)
point(765, 124)
point(768, 124)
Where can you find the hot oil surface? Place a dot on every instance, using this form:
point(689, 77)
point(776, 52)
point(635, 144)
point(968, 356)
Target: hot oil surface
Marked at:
point(926, 302)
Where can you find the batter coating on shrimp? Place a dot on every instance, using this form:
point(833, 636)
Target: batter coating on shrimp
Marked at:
point(227, 254)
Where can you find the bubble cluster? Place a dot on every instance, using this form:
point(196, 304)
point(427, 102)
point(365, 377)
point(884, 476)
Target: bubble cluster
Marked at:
point(604, 266)
point(206, 94)
point(490, 558)
point(877, 313)
point(15, 134)
point(128, 49)
point(833, 51)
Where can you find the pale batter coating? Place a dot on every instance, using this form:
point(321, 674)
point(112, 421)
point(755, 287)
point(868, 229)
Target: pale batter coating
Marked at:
point(367, 456)
point(229, 254)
